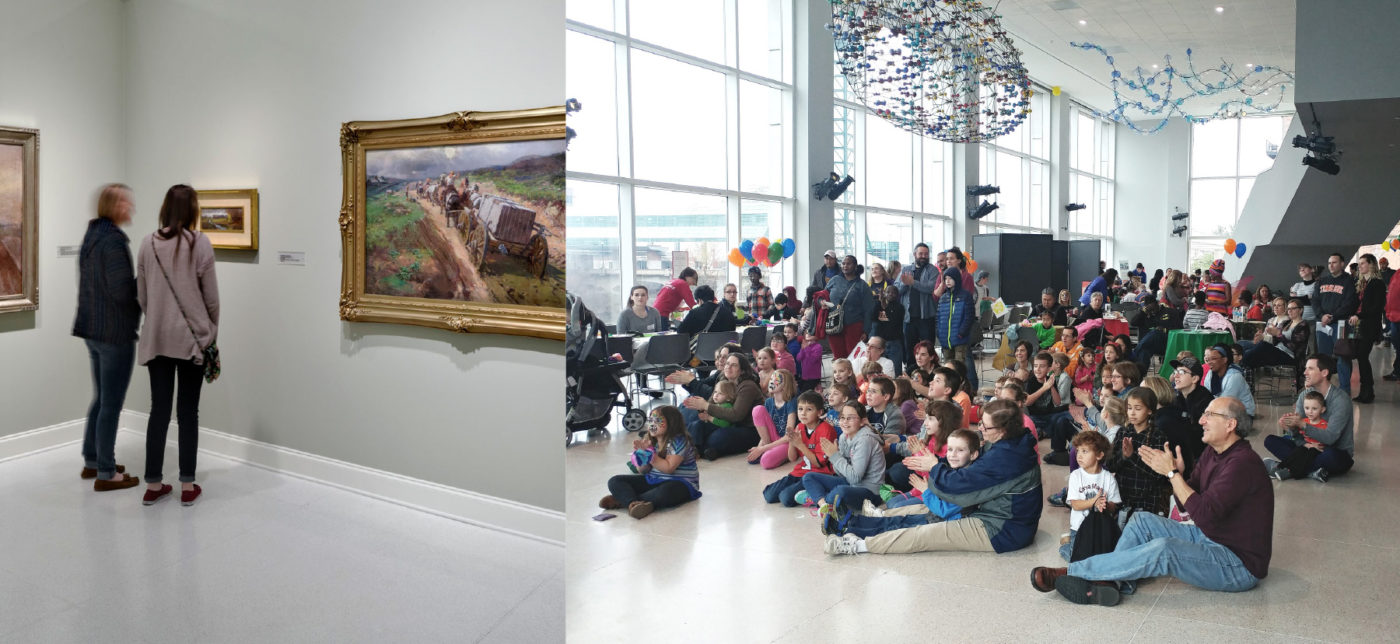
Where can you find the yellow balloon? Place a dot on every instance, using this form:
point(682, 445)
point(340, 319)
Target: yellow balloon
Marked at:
point(1055, 90)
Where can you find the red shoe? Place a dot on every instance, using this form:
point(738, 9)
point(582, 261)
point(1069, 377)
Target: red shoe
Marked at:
point(90, 473)
point(187, 497)
point(155, 495)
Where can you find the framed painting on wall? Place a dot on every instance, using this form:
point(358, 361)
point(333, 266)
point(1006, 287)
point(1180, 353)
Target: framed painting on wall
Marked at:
point(229, 218)
point(19, 219)
point(456, 222)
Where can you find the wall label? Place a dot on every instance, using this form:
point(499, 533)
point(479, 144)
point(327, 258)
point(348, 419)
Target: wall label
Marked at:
point(291, 258)
point(68, 251)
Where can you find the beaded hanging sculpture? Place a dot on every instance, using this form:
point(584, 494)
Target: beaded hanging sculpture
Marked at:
point(939, 68)
point(1170, 91)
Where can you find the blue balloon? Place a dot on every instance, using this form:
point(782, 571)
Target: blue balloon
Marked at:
point(746, 249)
point(789, 247)
point(1239, 249)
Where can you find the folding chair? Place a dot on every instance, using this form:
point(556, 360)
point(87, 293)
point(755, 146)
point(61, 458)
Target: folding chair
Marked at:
point(753, 339)
point(710, 342)
point(664, 354)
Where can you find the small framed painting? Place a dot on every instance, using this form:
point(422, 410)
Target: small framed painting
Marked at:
point(19, 219)
point(229, 218)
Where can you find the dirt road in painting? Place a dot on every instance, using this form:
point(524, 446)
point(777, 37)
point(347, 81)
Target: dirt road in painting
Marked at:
point(447, 244)
point(10, 283)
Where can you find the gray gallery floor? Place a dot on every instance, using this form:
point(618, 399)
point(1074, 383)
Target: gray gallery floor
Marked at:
point(729, 568)
point(261, 557)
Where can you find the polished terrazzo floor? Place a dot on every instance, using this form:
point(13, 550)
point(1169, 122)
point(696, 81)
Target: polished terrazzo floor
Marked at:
point(729, 568)
point(262, 557)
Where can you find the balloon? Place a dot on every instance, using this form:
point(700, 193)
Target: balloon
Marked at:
point(760, 252)
point(1230, 245)
point(789, 247)
point(971, 266)
point(775, 254)
point(736, 258)
point(762, 240)
point(1239, 249)
point(746, 249)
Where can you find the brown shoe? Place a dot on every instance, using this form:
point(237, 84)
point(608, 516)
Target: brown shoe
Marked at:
point(609, 503)
point(90, 473)
point(1043, 579)
point(126, 481)
point(639, 509)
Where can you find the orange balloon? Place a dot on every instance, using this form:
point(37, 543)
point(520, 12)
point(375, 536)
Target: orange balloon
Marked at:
point(736, 258)
point(1229, 245)
point(971, 266)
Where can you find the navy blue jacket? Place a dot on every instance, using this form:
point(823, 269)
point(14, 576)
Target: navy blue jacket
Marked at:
point(107, 307)
point(956, 312)
point(1001, 489)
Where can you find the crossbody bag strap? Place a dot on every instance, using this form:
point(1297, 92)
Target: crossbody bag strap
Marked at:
point(712, 319)
point(171, 284)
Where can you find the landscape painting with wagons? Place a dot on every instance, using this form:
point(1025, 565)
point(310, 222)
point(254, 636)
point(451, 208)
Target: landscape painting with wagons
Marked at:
point(480, 222)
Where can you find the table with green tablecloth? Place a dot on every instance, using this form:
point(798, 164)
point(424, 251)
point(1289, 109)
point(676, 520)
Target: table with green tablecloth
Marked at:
point(1194, 341)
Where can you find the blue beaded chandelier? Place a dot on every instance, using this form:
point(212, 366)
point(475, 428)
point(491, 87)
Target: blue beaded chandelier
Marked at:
point(1170, 91)
point(939, 68)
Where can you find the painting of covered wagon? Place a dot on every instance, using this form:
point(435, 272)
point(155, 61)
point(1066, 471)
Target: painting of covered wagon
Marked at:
point(499, 224)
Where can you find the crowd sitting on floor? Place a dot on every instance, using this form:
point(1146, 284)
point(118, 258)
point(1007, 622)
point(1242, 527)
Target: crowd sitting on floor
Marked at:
point(901, 451)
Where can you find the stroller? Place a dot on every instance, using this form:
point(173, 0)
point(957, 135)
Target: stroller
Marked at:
point(594, 383)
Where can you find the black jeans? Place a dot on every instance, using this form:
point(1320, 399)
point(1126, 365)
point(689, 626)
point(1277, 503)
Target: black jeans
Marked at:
point(734, 439)
point(165, 372)
point(626, 488)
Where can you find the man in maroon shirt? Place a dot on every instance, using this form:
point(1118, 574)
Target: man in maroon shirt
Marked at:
point(1228, 496)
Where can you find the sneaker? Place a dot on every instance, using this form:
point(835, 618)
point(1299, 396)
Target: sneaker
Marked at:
point(640, 509)
point(710, 454)
point(1281, 473)
point(1319, 475)
point(1083, 591)
point(152, 496)
point(1270, 464)
point(868, 509)
point(1058, 500)
point(845, 544)
point(1043, 579)
point(835, 521)
point(800, 497)
point(1064, 539)
point(1391, 376)
point(610, 502)
point(187, 497)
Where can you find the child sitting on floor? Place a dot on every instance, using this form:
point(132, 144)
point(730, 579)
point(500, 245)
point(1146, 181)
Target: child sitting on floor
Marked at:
point(793, 338)
point(837, 395)
point(867, 371)
point(723, 395)
point(905, 400)
point(1090, 487)
point(842, 373)
point(883, 417)
point(782, 358)
point(964, 446)
point(804, 449)
point(857, 461)
point(1314, 406)
point(765, 362)
point(774, 420)
point(941, 419)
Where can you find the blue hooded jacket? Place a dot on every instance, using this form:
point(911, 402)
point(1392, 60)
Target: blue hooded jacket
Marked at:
point(1001, 489)
point(956, 312)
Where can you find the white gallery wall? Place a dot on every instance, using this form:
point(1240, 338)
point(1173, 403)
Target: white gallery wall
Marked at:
point(61, 72)
point(251, 94)
point(1152, 178)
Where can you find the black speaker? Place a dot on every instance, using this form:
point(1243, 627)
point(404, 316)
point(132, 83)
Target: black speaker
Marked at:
point(1059, 264)
point(1084, 256)
point(1021, 264)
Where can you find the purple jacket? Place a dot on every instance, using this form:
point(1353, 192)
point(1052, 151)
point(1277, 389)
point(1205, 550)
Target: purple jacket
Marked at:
point(809, 362)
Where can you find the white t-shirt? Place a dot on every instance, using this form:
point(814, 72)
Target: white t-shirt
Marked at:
point(1083, 485)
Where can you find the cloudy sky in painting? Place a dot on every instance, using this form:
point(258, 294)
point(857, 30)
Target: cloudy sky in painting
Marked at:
point(418, 163)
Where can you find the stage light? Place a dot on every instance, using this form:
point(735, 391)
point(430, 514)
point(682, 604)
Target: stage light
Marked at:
point(1074, 206)
point(839, 187)
point(982, 211)
point(1180, 216)
point(831, 187)
point(1317, 144)
point(1178, 231)
point(1325, 164)
point(982, 191)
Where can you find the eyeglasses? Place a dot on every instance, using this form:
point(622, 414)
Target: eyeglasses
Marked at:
point(1183, 372)
point(983, 424)
point(1216, 413)
point(1295, 308)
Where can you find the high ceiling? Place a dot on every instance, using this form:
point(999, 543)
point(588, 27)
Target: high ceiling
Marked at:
point(1140, 32)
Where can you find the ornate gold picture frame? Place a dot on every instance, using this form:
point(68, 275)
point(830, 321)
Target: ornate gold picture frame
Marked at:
point(19, 219)
point(455, 222)
point(229, 218)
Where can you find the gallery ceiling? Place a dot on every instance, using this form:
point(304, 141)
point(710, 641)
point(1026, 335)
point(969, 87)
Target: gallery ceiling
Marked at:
point(1140, 32)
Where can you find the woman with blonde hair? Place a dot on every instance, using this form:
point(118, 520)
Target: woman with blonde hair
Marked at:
point(108, 314)
point(1370, 292)
point(179, 292)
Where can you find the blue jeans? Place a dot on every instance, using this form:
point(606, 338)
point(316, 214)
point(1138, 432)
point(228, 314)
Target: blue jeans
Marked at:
point(1152, 344)
point(863, 526)
point(784, 489)
point(902, 500)
point(111, 373)
point(1067, 550)
point(1395, 344)
point(837, 492)
point(1333, 460)
point(1153, 546)
point(1325, 343)
point(894, 350)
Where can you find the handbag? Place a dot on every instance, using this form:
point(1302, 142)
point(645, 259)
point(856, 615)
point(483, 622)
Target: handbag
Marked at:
point(695, 360)
point(1097, 534)
point(212, 368)
point(836, 316)
point(1345, 345)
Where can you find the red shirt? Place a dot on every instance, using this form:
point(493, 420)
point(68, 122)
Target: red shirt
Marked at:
point(812, 439)
point(670, 296)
